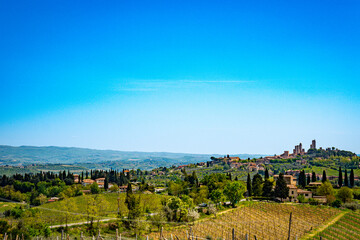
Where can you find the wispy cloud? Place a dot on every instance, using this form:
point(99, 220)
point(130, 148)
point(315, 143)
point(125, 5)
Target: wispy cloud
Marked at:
point(156, 84)
point(138, 89)
point(216, 81)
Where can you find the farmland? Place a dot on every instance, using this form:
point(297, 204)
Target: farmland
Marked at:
point(263, 220)
point(76, 208)
point(6, 206)
point(347, 227)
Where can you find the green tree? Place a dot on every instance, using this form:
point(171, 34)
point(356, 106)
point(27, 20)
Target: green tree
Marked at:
point(216, 196)
point(345, 194)
point(158, 220)
point(352, 178)
point(281, 189)
point(327, 190)
point(234, 192)
point(268, 188)
point(4, 226)
point(94, 188)
point(69, 207)
point(91, 210)
point(248, 186)
point(308, 180)
point(302, 179)
point(114, 188)
point(257, 184)
point(266, 173)
point(313, 177)
point(324, 176)
point(102, 205)
point(340, 181)
point(176, 210)
point(106, 183)
point(174, 188)
point(301, 198)
point(346, 181)
point(41, 199)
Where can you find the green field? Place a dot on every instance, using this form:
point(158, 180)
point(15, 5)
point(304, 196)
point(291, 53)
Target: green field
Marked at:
point(76, 208)
point(54, 213)
point(347, 227)
point(329, 171)
point(6, 206)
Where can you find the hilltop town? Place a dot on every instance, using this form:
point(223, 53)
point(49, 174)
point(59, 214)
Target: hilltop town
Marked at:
point(167, 196)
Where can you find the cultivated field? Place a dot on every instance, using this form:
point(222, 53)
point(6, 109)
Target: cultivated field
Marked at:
point(263, 220)
point(75, 208)
point(347, 227)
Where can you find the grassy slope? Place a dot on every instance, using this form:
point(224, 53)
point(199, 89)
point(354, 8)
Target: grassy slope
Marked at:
point(329, 171)
point(52, 212)
point(6, 206)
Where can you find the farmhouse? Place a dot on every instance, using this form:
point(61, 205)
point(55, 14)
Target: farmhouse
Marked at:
point(76, 178)
point(87, 182)
point(100, 182)
point(235, 165)
point(289, 179)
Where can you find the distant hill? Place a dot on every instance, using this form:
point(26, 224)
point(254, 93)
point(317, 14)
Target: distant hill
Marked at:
point(25, 155)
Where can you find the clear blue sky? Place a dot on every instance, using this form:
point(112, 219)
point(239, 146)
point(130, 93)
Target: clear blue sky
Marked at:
point(180, 76)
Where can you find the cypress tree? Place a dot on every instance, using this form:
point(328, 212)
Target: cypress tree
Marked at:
point(106, 184)
point(266, 173)
point(129, 193)
point(248, 185)
point(268, 188)
point(346, 181)
point(324, 177)
point(313, 177)
point(281, 189)
point(302, 179)
point(352, 178)
point(340, 181)
point(308, 179)
point(257, 185)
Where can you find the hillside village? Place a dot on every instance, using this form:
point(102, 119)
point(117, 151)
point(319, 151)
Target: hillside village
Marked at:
point(234, 165)
point(185, 193)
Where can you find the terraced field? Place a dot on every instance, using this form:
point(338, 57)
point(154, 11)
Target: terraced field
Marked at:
point(263, 220)
point(346, 228)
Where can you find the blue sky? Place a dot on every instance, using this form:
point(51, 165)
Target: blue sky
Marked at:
point(180, 76)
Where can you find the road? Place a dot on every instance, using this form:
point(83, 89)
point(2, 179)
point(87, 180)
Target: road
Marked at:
point(81, 223)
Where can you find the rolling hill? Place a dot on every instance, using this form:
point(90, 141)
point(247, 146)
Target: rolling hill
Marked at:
point(91, 158)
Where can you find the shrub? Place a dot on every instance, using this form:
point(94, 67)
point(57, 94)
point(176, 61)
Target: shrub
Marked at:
point(301, 199)
point(356, 193)
point(193, 215)
point(352, 205)
point(336, 203)
point(345, 194)
point(313, 201)
point(212, 210)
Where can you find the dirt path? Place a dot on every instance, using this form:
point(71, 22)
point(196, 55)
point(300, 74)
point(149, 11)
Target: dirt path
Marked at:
point(323, 227)
point(81, 223)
